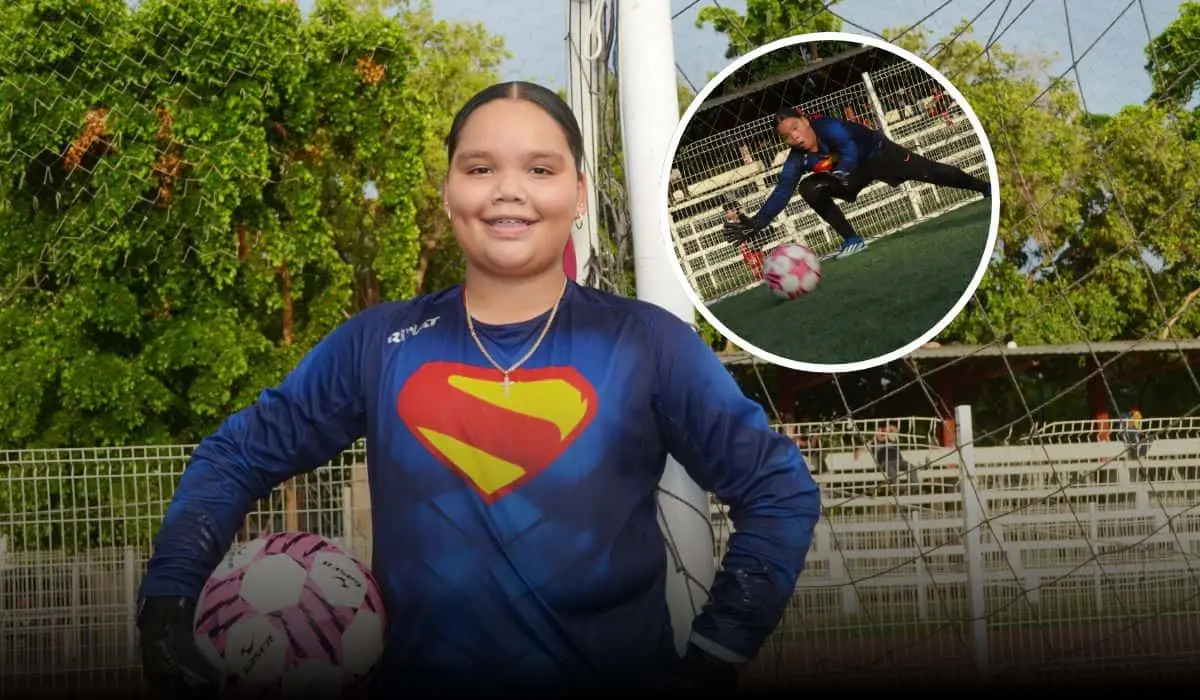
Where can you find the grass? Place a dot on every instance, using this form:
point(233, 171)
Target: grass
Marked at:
point(892, 611)
point(872, 303)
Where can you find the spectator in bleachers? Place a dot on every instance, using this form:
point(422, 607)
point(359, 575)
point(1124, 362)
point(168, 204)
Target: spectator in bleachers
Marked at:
point(939, 106)
point(885, 449)
point(766, 150)
point(903, 101)
point(810, 446)
point(1131, 432)
point(851, 115)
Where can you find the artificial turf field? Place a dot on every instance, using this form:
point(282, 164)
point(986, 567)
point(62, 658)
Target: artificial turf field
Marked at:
point(871, 303)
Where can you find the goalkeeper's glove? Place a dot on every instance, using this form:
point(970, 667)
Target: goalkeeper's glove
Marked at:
point(699, 672)
point(172, 663)
point(740, 231)
point(842, 176)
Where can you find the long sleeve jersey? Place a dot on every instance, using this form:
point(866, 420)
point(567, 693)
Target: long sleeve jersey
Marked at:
point(515, 527)
point(841, 145)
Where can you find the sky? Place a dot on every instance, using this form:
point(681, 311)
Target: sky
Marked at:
point(1111, 74)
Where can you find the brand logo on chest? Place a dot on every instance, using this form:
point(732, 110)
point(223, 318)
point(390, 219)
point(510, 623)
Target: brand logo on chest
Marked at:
point(397, 337)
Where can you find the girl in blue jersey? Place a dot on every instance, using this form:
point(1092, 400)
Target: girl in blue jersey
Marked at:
point(843, 157)
point(517, 427)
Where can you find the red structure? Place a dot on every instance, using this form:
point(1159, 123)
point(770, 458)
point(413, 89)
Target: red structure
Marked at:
point(569, 265)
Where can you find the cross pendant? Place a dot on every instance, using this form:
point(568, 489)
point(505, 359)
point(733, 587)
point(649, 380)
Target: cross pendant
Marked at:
point(506, 384)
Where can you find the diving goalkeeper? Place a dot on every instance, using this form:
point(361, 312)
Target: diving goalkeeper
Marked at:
point(844, 157)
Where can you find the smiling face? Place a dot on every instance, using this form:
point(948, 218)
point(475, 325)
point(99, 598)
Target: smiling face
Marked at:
point(797, 132)
point(513, 189)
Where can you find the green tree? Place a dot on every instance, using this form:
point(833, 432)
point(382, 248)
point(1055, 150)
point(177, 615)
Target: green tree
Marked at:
point(1171, 59)
point(1083, 204)
point(1141, 201)
point(1042, 152)
point(1072, 236)
point(455, 61)
point(1085, 198)
point(766, 21)
point(183, 192)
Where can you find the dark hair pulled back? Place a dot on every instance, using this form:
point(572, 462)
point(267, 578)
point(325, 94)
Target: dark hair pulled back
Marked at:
point(543, 97)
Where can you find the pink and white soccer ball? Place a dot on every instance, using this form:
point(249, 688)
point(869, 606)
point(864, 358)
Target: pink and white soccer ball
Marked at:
point(791, 270)
point(291, 613)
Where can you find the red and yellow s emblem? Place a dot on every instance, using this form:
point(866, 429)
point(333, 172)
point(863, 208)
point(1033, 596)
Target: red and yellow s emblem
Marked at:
point(826, 164)
point(495, 442)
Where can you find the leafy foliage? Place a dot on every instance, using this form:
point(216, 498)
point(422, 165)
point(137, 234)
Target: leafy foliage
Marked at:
point(1086, 199)
point(1098, 220)
point(184, 189)
point(766, 21)
point(1095, 220)
point(1172, 60)
point(454, 61)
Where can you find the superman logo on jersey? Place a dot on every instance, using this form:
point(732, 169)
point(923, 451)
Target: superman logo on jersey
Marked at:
point(496, 441)
point(826, 164)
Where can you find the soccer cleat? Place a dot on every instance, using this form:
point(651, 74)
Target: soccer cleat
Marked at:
point(852, 246)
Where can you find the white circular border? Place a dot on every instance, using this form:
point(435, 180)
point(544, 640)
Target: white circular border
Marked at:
point(993, 227)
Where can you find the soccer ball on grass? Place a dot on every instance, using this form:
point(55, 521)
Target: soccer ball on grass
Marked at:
point(791, 270)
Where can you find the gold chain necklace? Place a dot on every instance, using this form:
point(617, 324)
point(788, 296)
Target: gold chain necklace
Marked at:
point(536, 344)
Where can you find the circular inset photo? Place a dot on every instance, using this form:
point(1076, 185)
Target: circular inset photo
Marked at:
point(831, 202)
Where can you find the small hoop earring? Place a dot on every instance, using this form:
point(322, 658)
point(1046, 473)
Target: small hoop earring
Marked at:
point(579, 220)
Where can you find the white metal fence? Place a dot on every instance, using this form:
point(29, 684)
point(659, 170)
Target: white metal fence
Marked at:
point(76, 527)
point(744, 163)
point(1086, 552)
point(1086, 555)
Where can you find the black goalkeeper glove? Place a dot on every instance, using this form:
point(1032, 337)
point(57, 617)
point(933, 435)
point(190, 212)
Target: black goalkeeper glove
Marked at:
point(172, 663)
point(740, 231)
point(701, 673)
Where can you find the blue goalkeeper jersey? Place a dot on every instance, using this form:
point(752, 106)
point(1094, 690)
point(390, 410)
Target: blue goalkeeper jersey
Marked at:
point(841, 145)
point(515, 534)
